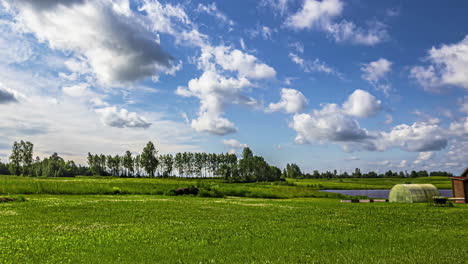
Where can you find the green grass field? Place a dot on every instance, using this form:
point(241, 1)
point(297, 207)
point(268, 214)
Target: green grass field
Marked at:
point(153, 186)
point(161, 229)
point(158, 186)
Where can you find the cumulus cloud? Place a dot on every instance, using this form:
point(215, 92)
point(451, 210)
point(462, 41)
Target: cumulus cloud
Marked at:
point(448, 67)
point(111, 116)
point(213, 123)
point(336, 124)
point(233, 143)
point(292, 101)
point(108, 36)
point(375, 73)
point(362, 104)
point(315, 14)
point(214, 92)
point(327, 124)
point(321, 15)
point(229, 59)
point(7, 96)
point(419, 137)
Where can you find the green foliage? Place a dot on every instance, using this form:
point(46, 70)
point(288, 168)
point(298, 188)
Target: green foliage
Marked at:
point(149, 160)
point(116, 190)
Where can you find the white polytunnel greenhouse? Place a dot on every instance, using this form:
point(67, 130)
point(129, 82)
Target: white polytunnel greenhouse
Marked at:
point(413, 193)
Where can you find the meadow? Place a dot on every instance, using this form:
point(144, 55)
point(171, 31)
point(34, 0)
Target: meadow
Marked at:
point(151, 186)
point(292, 188)
point(162, 229)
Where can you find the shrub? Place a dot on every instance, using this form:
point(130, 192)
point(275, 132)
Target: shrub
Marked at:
point(183, 191)
point(116, 190)
point(214, 193)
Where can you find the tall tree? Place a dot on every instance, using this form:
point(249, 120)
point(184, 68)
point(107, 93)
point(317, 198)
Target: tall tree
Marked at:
point(149, 160)
point(15, 159)
point(26, 156)
point(128, 163)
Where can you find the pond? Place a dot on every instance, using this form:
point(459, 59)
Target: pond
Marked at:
point(377, 193)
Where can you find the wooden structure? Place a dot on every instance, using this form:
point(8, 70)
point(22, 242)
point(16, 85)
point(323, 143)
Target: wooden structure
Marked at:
point(460, 187)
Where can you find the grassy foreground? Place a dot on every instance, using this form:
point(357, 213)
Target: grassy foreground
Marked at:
point(161, 229)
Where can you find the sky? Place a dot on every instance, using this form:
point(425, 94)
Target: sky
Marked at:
point(328, 84)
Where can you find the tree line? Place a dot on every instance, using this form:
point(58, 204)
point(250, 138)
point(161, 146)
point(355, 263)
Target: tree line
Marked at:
point(293, 171)
point(249, 168)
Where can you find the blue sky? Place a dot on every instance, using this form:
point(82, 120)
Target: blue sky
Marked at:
point(326, 84)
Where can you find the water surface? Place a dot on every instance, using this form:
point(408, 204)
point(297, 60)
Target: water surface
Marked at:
point(378, 193)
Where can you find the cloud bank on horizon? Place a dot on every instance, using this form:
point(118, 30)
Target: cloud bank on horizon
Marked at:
point(320, 78)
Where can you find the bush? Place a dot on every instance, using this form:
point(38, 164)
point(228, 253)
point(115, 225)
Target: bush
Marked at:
point(214, 193)
point(116, 190)
point(183, 191)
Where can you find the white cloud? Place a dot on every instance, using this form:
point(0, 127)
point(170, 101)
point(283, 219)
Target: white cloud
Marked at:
point(213, 123)
point(78, 90)
point(403, 164)
point(233, 143)
point(419, 137)
point(279, 5)
point(346, 31)
point(213, 10)
point(113, 117)
point(375, 73)
point(214, 92)
point(298, 46)
point(362, 104)
point(315, 14)
point(320, 15)
point(292, 101)
point(448, 67)
point(115, 43)
point(313, 66)
point(327, 124)
point(459, 128)
point(245, 64)
point(423, 156)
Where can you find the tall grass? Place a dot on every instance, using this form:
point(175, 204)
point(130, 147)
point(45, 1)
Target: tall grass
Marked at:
point(105, 186)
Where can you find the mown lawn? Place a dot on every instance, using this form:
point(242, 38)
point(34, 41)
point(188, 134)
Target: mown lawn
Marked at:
point(162, 229)
point(370, 184)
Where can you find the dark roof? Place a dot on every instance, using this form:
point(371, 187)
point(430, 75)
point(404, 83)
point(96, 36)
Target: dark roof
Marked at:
point(465, 173)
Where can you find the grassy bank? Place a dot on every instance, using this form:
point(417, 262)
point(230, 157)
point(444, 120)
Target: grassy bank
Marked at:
point(154, 186)
point(161, 229)
point(370, 184)
point(158, 186)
